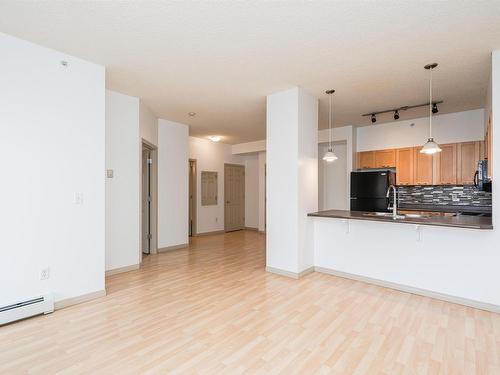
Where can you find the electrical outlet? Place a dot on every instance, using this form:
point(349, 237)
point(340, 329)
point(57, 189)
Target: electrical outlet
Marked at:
point(454, 197)
point(45, 274)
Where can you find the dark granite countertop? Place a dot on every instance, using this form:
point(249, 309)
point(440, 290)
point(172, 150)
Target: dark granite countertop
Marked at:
point(444, 220)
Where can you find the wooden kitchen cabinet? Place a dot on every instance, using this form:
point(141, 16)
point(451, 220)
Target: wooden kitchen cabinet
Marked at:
point(366, 159)
point(385, 158)
point(404, 166)
point(422, 168)
point(445, 165)
point(468, 155)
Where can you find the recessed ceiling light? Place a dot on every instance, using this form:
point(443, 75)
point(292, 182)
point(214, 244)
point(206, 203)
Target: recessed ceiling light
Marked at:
point(215, 138)
point(192, 114)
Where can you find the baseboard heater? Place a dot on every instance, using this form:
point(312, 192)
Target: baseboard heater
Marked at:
point(25, 309)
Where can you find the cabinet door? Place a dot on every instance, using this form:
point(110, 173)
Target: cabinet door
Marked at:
point(366, 159)
point(404, 166)
point(446, 165)
point(385, 158)
point(467, 158)
point(422, 167)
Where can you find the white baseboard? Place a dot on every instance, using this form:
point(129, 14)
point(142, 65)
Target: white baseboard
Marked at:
point(79, 299)
point(114, 271)
point(170, 248)
point(409, 289)
point(293, 275)
point(210, 233)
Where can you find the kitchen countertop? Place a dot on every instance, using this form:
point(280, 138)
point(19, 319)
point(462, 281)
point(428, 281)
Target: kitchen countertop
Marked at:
point(459, 221)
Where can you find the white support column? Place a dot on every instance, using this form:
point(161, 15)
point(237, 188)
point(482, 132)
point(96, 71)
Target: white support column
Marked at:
point(292, 180)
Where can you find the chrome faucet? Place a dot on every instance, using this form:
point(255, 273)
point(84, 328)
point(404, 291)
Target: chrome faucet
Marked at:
point(394, 203)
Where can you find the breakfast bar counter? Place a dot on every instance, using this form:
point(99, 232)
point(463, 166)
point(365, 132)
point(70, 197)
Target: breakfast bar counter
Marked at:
point(415, 218)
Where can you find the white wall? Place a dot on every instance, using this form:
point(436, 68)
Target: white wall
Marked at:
point(252, 191)
point(52, 144)
point(448, 128)
point(292, 179)
point(148, 124)
point(249, 147)
point(173, 183)
point(123, 191)
point(332, 178)
point(458, 262)
point(211, 156)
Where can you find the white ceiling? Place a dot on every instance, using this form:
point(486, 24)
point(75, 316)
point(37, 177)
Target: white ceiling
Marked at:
point(220, 59)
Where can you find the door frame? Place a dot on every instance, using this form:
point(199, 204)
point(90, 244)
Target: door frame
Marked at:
point(244, 194)
point(145, 145)
point(195, 197)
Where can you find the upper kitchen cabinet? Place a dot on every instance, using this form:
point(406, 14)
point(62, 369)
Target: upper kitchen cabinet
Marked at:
point(366, 159)
point(404, 166)
point(385, 158)
point(445, 165)
point(468, 155)
point(422, 168)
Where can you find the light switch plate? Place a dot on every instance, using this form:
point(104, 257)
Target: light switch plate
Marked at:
point(78, 199)
point(109, 173)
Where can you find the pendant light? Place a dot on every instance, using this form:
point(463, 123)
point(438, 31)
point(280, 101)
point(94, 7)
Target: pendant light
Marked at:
point(430, 147)
point(329, 155)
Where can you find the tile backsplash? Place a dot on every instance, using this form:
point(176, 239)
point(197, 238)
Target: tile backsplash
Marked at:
point(447, 195)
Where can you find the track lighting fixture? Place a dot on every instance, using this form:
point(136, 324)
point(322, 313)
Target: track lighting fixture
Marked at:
point(397, 110)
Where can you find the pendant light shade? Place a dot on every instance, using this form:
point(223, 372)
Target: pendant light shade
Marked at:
point(329, 155)
point(430, 147)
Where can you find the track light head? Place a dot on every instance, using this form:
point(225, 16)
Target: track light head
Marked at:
point(435, 108)
point(396, 115)
point(374, 118)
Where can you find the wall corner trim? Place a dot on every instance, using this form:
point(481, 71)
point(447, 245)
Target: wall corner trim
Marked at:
point(293, 275)
point(79, 299)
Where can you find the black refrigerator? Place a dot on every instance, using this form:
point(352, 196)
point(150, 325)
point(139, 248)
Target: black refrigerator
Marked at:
point(369, 190)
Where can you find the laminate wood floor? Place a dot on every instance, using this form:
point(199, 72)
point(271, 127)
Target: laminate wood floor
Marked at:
point(212, 309)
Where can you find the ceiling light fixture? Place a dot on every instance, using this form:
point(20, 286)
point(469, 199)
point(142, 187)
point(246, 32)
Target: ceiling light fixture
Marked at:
point(329, 155)
point(374, 118)
point(215, 138)
point(396, 114)
point(191, 114)
point(430, 146)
